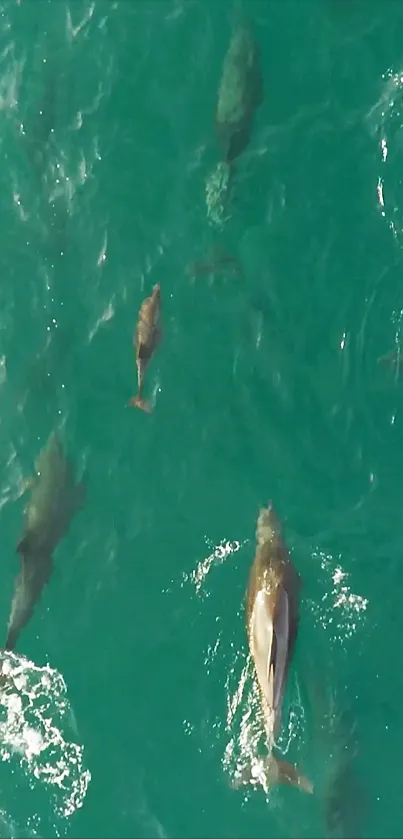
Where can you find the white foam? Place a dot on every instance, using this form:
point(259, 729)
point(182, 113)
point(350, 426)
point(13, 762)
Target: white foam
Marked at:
point(35, 717)
point(219, 554)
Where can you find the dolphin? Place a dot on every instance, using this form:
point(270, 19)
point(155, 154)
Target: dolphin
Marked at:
point(272, 623)
point(146, 337)
point(240, 93)
point(55, 498)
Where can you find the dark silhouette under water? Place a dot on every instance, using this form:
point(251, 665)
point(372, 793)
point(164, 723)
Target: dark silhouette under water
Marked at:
point(217, 261)
point(55, 498)
point(335, 734)
point(240, 93)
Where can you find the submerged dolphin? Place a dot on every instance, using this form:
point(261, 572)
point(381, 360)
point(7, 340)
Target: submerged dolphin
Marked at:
point(272, 622)
point(55, 497)
point(240, 93)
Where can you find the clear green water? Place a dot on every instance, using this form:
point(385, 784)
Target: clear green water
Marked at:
point(265, 386)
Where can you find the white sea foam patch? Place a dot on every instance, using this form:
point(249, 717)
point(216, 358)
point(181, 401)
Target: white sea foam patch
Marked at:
point(340, 609)
point(36, 724)
point(218, 554)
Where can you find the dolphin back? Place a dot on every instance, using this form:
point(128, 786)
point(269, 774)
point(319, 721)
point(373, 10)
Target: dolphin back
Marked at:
point(43, 534)
point(55, 498)
point(240, 93)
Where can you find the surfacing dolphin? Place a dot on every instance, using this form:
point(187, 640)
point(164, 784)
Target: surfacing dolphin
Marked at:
point(55, 498)
point(272, 623)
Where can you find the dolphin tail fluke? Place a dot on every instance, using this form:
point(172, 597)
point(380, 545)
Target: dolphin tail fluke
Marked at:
point(139, 402)
point(289, 774)
point(273, 771)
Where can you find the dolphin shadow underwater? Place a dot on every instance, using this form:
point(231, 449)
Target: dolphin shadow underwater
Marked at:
point(55, 499)
point(343, 792)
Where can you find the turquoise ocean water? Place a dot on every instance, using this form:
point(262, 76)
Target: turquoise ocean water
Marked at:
point(135, 701)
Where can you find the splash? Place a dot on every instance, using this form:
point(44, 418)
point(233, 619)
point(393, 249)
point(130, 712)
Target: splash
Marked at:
point(217, 189)
point(344, 598)
point(219, 554)
point(340, 610)
point(244, 727)
point(34, 710)
point(247, 749)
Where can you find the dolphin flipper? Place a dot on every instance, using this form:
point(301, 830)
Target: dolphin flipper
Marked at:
point(289, 774)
